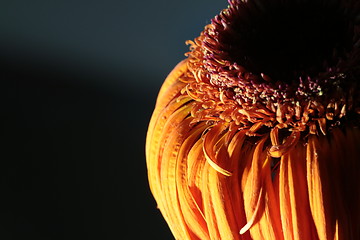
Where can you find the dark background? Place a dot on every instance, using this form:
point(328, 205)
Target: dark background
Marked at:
point(79, 81)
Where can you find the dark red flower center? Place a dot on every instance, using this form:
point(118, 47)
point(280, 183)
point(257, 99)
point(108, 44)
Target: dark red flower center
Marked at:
point(286, 40)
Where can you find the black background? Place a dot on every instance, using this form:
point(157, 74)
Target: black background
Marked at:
point(79, 81)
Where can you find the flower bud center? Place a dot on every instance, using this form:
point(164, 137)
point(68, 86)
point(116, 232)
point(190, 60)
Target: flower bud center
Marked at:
point(280, 40)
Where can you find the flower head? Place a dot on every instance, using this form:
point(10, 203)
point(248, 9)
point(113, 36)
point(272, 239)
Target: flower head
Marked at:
point(256, 134)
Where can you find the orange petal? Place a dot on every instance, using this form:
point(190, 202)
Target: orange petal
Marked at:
point(208, 205)
point(266, 222)
point(168, 175)
point(295, 212)
point(190, 209)
point(317, 189)
point(238, 152)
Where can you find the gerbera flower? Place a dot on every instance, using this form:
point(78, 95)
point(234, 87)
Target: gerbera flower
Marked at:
point(256, 134)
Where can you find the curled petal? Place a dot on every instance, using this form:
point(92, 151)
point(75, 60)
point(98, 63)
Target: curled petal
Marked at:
point(210, 140)
point(279, 150)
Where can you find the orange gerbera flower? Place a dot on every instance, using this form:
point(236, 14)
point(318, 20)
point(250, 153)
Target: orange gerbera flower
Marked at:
point(256, 134)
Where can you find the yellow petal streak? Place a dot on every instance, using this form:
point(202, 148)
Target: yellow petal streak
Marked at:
point(259, 197)
point(293, 196)
point(317, 187)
